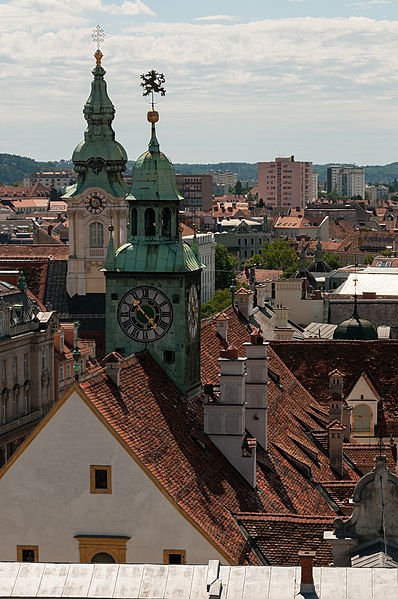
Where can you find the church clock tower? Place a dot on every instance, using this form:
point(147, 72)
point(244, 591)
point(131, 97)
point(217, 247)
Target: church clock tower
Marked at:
point(153, 281)
point(98, 198)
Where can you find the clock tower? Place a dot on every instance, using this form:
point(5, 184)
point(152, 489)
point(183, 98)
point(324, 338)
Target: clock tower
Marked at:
point(98, 197)
point(153, 281)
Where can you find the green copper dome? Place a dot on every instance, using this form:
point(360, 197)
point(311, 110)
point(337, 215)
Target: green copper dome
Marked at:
point(355, 328)
point(155, 243)
point(99, 160)
point(153, 173)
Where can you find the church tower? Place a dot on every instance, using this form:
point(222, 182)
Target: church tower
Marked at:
point(98, 197)
point(153, 281)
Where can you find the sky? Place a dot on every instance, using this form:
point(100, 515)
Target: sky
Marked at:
point(246, 81)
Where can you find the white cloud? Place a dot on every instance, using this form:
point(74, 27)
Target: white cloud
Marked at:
point(219, 75)
point(216, 18)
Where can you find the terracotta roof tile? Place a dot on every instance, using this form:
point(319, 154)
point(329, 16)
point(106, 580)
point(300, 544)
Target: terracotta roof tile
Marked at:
point(162, 429)
point(280, 537)
point(311, 361)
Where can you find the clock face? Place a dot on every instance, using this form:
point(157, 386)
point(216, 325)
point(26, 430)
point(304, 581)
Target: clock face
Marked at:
point(193, 311)
point(95, 202)
point(145, 314)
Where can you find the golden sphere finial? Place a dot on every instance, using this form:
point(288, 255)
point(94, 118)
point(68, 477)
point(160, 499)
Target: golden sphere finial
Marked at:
point(152, 116)
point(98, 57)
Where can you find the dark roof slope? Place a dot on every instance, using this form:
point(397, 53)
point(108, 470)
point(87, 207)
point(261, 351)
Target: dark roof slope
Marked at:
point(312, 360)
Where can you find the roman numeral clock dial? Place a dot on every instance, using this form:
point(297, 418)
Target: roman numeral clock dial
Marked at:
point(145, 314)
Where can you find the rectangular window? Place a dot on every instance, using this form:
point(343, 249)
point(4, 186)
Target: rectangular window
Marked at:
point(26, 365)
point(14, 368)
point(174, 556)
point(61, 374)
point(27, 553)
point(100, 479)
point(4, 371)
point(68, 371)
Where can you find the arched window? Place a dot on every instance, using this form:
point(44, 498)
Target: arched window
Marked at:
point(102, 558)
point(362, 419)
point(134, 219)
point(150, 222)
point(166, 222)
point(96, 235)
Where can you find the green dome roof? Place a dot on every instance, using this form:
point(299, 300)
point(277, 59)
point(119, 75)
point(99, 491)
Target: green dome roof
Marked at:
point(154, 176)
point(99, 160)
point(355, 328)
point(161, 257)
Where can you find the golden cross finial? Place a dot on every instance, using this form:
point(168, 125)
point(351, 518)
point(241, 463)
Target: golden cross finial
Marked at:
point(98, 36)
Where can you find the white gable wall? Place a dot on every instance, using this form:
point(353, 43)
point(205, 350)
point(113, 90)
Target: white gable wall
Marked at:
point(46, 500)
point(360, 394)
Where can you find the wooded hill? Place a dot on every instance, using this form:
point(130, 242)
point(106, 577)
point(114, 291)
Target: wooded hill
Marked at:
point(14, 168)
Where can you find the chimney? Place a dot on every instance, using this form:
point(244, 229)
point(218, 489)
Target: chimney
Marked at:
point(112, 363)
point(336, 438)
point(213, 580)
point(261, 291)
point(256, 387)
point(347, 421)
point(225, 416)
point(281, 316)
point(306, 564)
point(244, 302)
point(222, 325)
point(282, 330)
point(336, 383)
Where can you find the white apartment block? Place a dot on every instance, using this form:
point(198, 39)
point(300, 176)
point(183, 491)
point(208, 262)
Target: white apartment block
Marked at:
point(57, 179)
point(223, 178)
point(207, 253)
point(346, 180)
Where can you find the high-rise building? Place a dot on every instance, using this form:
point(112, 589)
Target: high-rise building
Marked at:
point(285, 183)
point(197, 191)
point(346, 180)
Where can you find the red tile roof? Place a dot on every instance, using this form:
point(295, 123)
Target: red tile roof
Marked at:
point(164, 431)
point(35, 272)
point(280, 537)
point(52, 252)
point(311, 361)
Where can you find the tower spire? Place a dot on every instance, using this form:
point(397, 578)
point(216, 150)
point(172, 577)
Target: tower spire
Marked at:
point(110, 255)
point(99, 160)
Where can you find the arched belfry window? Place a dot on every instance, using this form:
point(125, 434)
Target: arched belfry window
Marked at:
point(134, 221)
point(150, 222)
point(362, 419)
point(96, 235)
point(166, 222)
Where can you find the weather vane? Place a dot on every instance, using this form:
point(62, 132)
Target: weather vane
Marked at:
point(152, 82)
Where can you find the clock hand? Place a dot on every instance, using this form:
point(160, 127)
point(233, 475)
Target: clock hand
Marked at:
point(136, 304)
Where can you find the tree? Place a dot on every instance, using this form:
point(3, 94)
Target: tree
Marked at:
point(332, 259)
point(225, 267)
point(368, 259)
point(238, 188)
point(278, 255)
point(220, 300)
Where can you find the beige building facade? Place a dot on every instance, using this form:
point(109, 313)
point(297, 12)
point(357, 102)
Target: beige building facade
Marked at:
point(54, 504)
point(26, 359)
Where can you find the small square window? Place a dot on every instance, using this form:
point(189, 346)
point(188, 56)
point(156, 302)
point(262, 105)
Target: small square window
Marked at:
point(28, 553)
point(100, 479)
point(174, 556)
point(169, 356)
